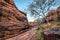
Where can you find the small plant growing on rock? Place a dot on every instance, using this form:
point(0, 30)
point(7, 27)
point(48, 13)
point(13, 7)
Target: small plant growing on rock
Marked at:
point(39, 34)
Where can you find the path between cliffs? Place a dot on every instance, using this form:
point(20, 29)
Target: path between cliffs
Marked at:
point(25, 36)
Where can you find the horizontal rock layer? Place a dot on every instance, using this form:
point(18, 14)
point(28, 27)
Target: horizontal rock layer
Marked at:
point(12, 21)
point(52, 15)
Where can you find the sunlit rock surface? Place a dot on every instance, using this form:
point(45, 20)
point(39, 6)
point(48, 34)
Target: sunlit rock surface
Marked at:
point(12, 21)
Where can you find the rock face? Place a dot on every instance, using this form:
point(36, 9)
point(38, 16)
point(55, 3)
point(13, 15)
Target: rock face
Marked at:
point(58, 9)
point(52, 15)
point(33, 24)
point(52, 34)
point(12, 21)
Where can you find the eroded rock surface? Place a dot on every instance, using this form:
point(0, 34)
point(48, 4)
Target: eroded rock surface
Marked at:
point(52, 15)
point(52, 34)
point(12, 21)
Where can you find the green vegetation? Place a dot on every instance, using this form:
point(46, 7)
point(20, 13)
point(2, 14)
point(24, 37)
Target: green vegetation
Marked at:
point(39, 8)
point(58, 19)
point(39, 34)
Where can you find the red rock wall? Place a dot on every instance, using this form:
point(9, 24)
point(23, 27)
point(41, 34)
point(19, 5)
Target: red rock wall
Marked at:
point(52, 15)
point(12, 21)
point(33, 24)
point(53, 33)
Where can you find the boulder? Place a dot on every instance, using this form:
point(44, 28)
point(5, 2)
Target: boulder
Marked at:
point(12, 21)
point(52, 34)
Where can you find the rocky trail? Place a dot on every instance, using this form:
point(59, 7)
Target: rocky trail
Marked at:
point(25, 36)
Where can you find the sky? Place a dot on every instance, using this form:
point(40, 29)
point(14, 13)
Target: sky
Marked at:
point(22, 4)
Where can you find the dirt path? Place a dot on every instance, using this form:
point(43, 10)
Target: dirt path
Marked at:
point(25, 36)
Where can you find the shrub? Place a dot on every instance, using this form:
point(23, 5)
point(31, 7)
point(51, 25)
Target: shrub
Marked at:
point(58, 19)
point(39, 35)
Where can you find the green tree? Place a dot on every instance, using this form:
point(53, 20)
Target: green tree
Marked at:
point(39, 8)
point(38, 20)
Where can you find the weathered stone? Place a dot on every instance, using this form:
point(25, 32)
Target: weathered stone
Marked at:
point(33, 24)
point(52, 15)
point(12, 21)
point(52, 34)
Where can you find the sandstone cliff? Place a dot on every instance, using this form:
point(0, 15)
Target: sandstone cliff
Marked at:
point(12, 21)
point(53, 33)
point(52, 15)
